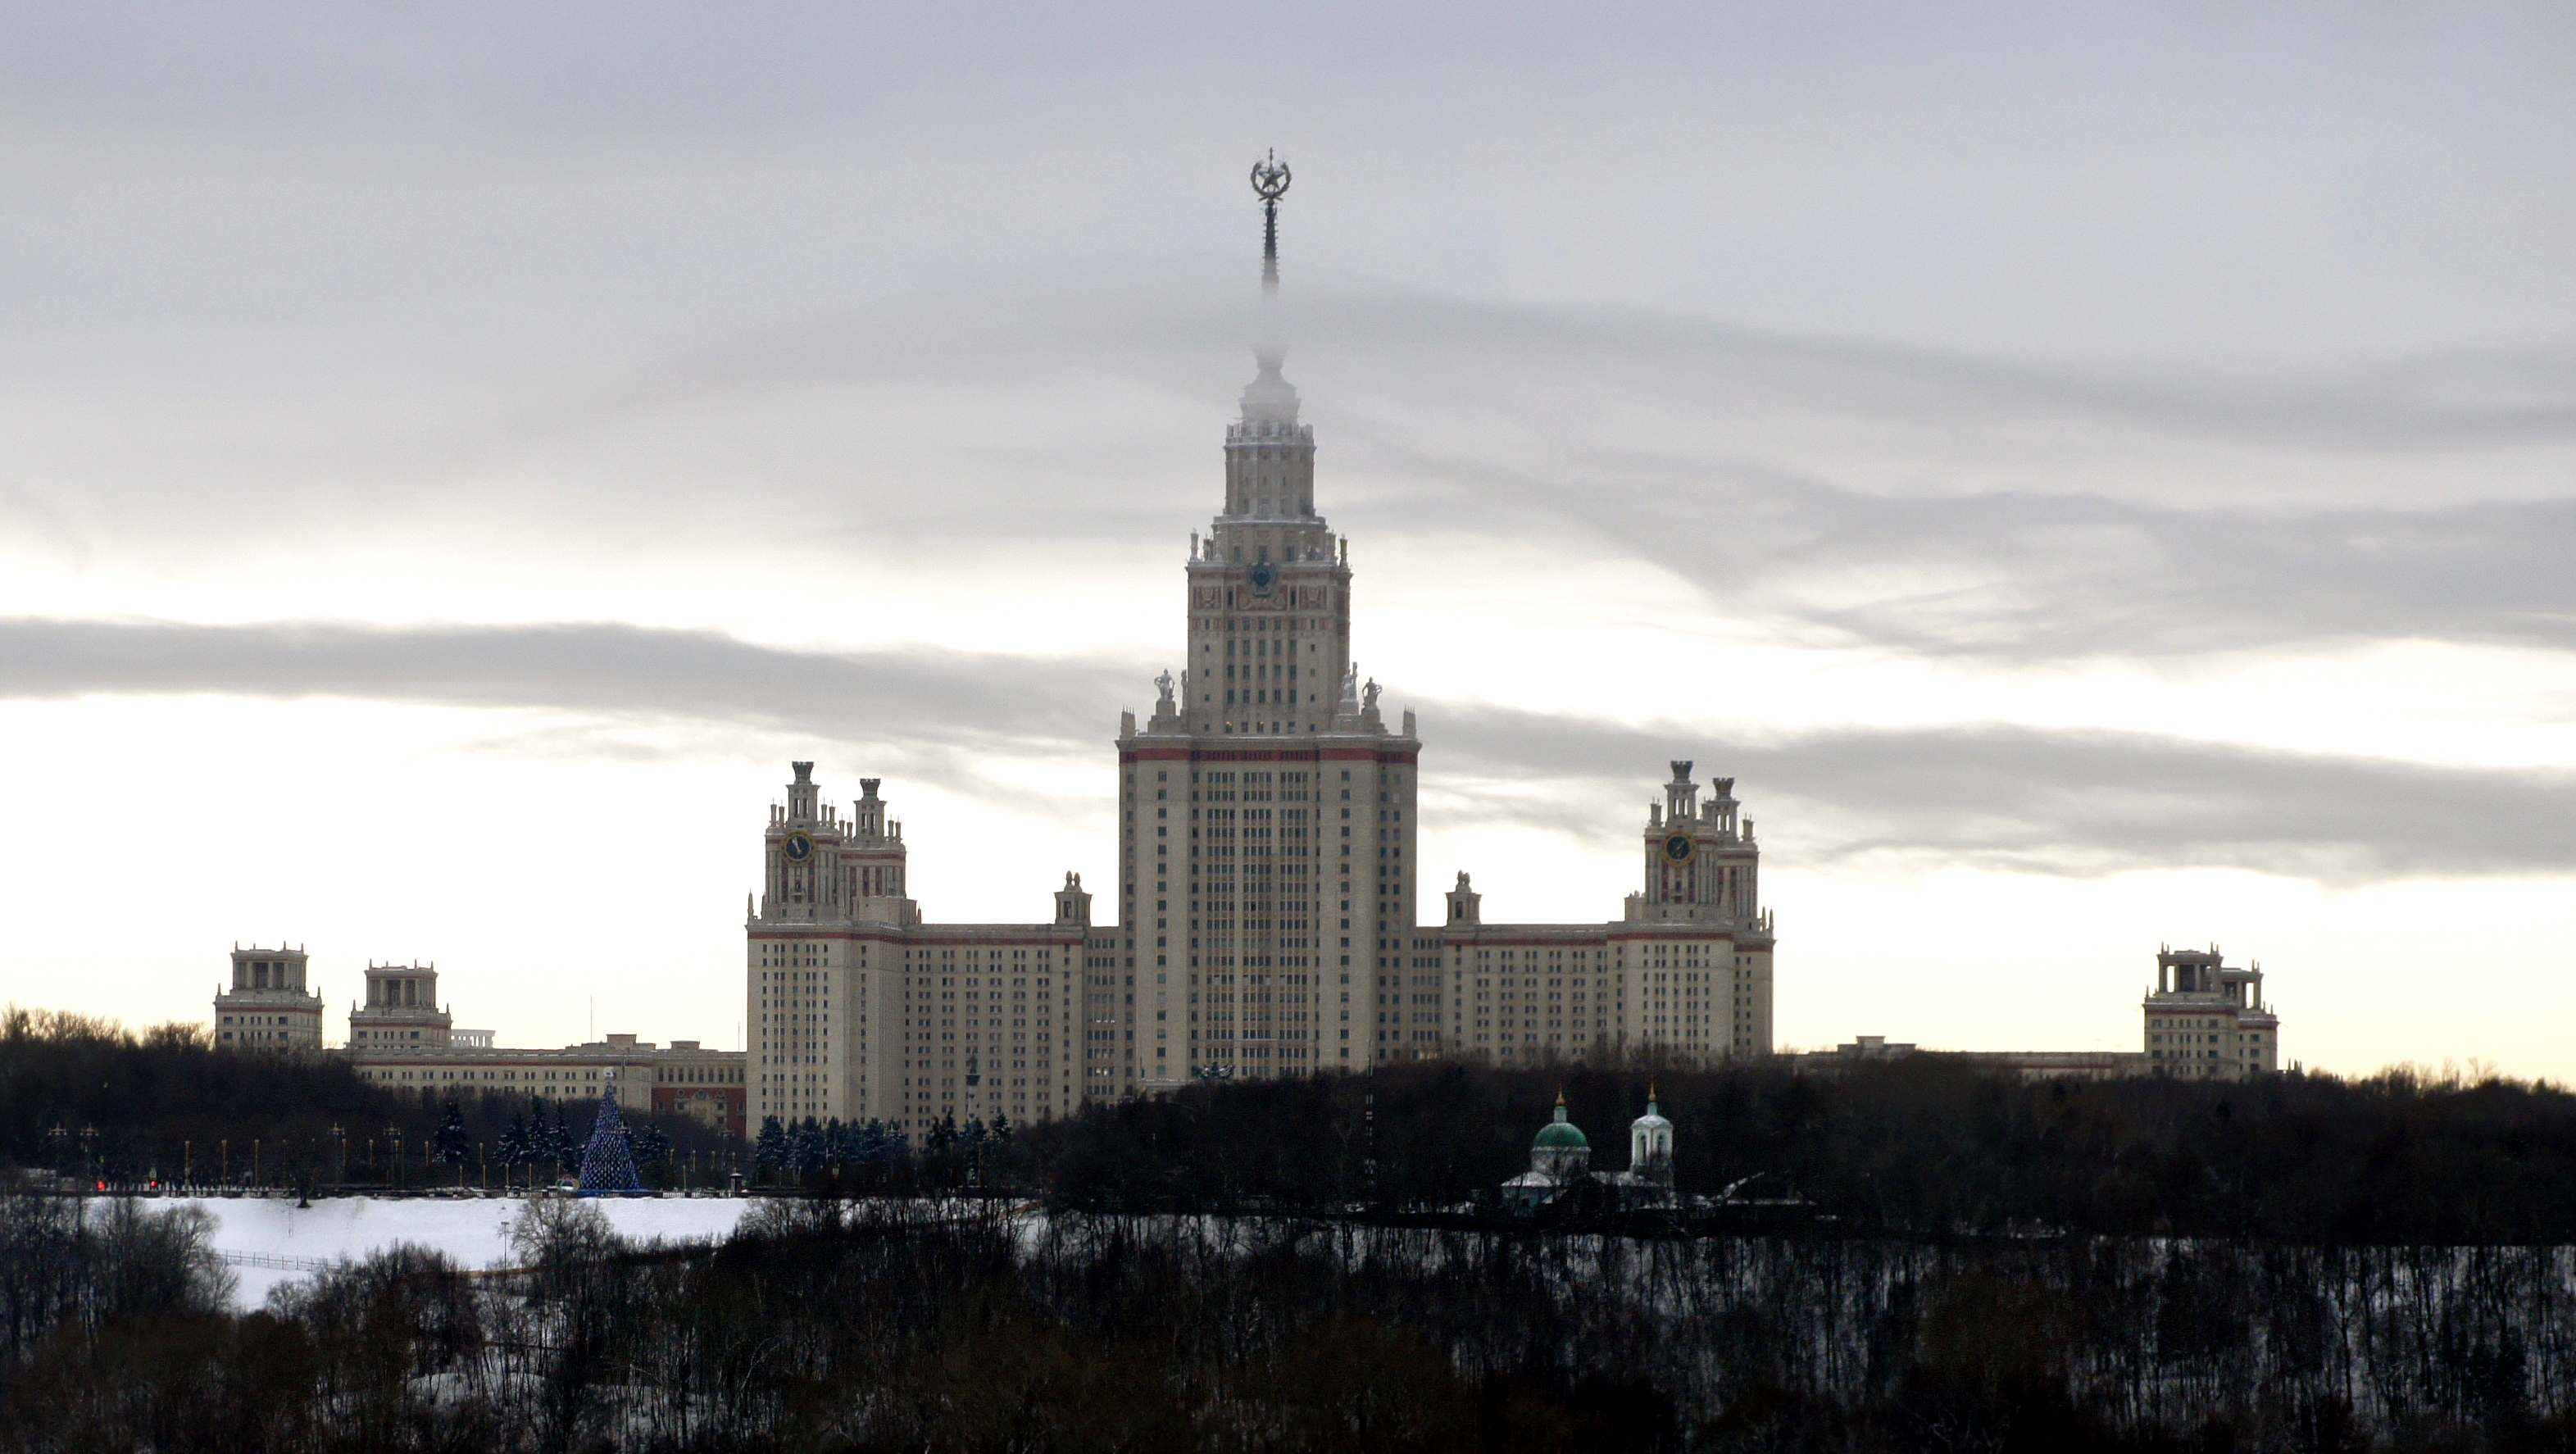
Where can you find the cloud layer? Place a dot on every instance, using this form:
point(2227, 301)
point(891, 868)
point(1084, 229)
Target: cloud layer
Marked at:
point(1989, 795)
point(1836, 493)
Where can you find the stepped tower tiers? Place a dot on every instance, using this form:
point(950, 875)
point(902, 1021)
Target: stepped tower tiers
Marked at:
point(1266, 810)
point(268, 1007)
point(858, 1009)
point(1267, 881)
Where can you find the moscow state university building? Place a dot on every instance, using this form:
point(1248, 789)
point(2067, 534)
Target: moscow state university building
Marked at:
point(1269, 918)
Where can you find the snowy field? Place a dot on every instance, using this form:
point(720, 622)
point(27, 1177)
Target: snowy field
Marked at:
point(474, 1231)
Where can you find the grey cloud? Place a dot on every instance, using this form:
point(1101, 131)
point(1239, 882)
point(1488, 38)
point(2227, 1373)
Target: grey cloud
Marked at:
point(922, 698)
point(2021, 798)
point(1846, 493)
point(2062, 801)
point(1939, 505)
point(2034, 577)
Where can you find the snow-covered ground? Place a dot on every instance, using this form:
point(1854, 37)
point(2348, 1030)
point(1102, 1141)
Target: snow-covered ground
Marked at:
point(474, 1231)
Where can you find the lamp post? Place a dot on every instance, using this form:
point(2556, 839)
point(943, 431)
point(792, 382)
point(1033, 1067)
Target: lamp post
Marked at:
point(393, 1136)
point(340, 1141)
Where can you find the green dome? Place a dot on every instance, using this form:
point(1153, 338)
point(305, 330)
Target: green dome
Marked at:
point(1558, 1133)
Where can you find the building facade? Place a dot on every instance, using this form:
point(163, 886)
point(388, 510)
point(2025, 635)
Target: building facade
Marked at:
point(402, 1037)
point(859, 1009)
point(2207, 1020)
point(682, 1078)
point(1267, 817)
point(1684, 973)
point(1267, 892)
point(401, 1010)
point(268, 1008)
point(1269, 862)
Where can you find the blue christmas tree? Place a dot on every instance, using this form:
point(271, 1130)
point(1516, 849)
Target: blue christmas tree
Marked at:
point(607, 1166)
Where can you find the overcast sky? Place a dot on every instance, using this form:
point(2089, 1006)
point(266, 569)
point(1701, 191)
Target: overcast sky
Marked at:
point(2095, 478)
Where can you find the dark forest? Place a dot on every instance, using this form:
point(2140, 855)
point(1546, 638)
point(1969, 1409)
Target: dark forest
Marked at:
point(2298, 1264)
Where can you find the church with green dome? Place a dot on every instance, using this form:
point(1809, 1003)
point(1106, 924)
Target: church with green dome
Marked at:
point(1561, 1164)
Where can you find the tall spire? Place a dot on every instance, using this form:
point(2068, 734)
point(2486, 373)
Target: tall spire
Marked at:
point(1270, 183)
point(1270, 399)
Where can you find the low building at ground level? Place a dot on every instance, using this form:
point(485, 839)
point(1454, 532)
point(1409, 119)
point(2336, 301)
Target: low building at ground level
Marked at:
point(403, 1038)
point(2205, 1021)
point(268, 1008)
point(683, 1078)
point(2036, 1064)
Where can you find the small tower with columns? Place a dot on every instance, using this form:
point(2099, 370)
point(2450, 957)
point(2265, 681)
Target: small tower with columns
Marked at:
point(2207, 1019)
point(402, 1010)
point(268, 1008)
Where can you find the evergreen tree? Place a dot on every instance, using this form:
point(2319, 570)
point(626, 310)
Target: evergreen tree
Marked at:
point(878, 1142)
point(1000, 1130)
point(651, 1143)
point(450, 1145)
point(555, 1147)
point(608, 1162)
point(805, 1147)
point(512, 1146)
point(769, 1148)
point(943, 1135)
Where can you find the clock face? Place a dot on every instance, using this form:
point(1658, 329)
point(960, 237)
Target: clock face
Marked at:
point(1677, 848)
point(799, 847)
point(1264, 576)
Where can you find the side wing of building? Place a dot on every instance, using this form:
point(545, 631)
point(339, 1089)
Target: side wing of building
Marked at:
point(856, 1009)
point(1684, 974)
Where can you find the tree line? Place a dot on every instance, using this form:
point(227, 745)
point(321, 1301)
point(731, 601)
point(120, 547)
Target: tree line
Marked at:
point(920, 1324)
point(85, 1098)
point(1929, 1145)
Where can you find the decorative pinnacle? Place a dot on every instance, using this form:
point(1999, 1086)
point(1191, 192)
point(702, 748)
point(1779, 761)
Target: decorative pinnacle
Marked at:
point(1270, 183)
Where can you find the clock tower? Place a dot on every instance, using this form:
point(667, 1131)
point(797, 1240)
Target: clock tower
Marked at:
point(1266, 886)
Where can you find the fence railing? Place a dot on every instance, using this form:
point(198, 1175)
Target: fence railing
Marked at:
point(275, 1260)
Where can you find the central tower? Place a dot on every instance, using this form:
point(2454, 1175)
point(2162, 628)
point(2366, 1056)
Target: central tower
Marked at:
point(1266, 812)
